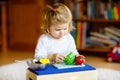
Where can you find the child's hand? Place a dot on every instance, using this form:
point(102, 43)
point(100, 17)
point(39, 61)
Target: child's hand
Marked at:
point(57, 57)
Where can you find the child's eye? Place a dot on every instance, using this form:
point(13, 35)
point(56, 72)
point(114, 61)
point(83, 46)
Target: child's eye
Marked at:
point(65, 28)
point(58, 29)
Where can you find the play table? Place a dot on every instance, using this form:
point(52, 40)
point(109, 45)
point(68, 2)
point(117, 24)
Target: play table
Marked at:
point(51, 73)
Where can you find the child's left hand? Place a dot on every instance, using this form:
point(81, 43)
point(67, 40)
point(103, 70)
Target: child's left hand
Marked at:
point(59, 58)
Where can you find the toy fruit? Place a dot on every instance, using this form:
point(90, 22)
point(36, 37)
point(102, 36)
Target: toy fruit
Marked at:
point(70, 58)
point(79, 60)
point(44, 61)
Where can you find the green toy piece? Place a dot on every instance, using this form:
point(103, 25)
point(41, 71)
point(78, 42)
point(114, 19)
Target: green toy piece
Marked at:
point(69, 59)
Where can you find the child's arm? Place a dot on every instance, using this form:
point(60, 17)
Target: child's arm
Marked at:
point(40, 50)
point(72, 46)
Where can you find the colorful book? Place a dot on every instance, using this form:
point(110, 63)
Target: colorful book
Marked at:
point(81, 10)
point(112, 13)
point(77, 39)
point(118, 8)
point(115, 13)
point(81, 31)
point(108, 14)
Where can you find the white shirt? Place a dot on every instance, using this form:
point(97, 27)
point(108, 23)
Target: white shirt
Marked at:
point(48, 45)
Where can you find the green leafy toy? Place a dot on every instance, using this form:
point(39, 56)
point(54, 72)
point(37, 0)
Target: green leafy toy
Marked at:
point(69, 59)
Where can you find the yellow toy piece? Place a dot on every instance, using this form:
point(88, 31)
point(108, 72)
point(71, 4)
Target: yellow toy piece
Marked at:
point(44, 61)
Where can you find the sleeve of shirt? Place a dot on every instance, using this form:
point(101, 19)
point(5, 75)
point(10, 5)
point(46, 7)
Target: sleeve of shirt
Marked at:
point(40, 50)
point(72, 46)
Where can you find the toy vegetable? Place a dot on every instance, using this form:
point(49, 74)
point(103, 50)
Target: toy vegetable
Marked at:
point(70, 58)
point(79, 60)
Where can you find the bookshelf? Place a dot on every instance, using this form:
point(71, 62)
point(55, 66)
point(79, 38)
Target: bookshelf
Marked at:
point(98, 15)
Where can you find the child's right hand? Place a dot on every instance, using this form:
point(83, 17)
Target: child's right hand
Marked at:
point(57, 57)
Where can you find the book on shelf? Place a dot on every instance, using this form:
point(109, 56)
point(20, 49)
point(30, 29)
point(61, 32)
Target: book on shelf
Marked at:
point(115, 12)
point(113, 37)
point(78, 34)
point(109, 38)
point(84, 35)
point(90, 9)
point(92, 43)
point(73, 9)
point(108, 14)
point(77, 9)
point(100, 10)
point(100, 35)
point(112, 13)
point(118, 9)
point(81, 30)
point(114, 31)
point(111, 43)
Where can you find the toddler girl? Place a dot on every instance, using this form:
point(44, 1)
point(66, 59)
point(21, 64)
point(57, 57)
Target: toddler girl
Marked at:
point(56, 41)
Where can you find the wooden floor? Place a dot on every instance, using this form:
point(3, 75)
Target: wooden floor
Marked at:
point(96, 61)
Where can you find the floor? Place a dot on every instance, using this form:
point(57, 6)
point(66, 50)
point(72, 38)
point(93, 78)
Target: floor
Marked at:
point(93, 60)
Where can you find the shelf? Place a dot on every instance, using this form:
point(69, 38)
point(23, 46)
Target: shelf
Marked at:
point(104, 50)
point(97, 20)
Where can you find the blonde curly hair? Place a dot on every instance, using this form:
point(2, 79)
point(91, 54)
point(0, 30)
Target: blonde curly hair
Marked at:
point(54, 15)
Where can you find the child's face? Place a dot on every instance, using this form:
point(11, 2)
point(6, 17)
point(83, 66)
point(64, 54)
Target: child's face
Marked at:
point(58, 31)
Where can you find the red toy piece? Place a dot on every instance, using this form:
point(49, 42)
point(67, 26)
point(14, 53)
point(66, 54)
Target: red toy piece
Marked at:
point(79, 60)
point(114, 55)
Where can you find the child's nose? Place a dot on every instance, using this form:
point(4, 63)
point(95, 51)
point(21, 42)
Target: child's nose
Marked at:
point(61, 32)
